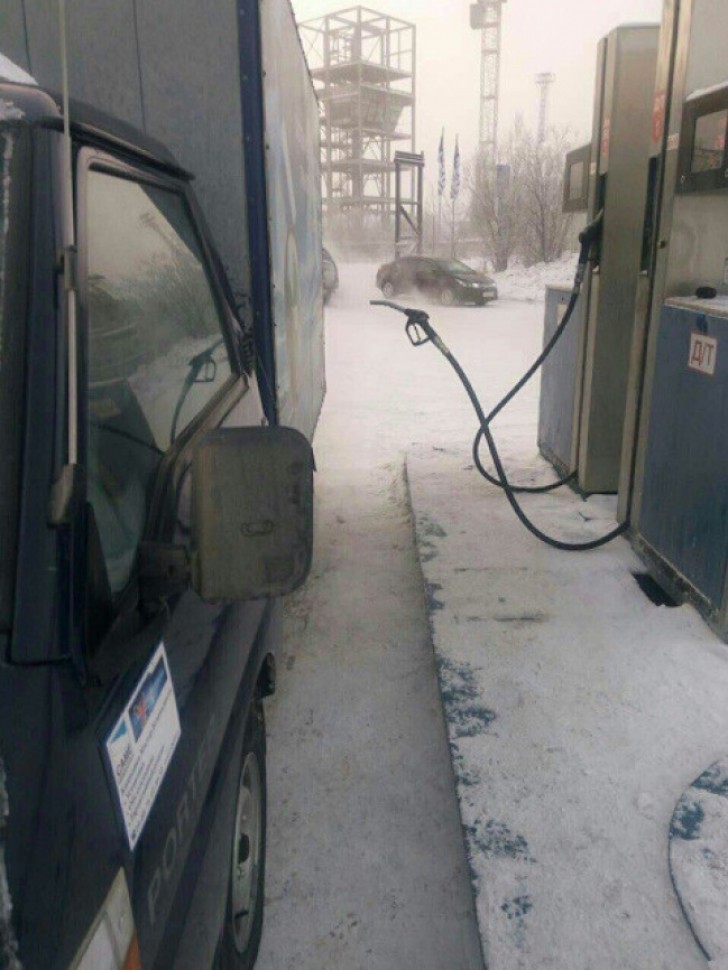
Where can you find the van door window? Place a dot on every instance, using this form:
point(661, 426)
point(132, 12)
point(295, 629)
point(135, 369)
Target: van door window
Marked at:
point(14, 180)
point(156, 354)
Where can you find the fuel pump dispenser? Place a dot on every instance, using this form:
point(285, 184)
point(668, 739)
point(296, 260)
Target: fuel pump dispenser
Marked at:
point(661, 169)
point(651, 381)
point(582, 417)
point(557, 434)
point(677, 495)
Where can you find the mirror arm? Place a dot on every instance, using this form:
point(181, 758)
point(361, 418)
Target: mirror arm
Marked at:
point(164, 570)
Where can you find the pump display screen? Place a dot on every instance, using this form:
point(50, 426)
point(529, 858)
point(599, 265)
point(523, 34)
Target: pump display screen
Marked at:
point(709, 142)
point(576, 181)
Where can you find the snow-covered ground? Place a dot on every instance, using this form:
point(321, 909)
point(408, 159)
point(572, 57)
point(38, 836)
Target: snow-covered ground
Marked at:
point(578, 712)
point(529, 282)
point(366, 862)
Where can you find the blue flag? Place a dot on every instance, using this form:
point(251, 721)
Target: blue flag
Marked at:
point(455, 187)
point(442, 179)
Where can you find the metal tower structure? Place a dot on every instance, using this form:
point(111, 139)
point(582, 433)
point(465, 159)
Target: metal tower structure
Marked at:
point(544, 82)
point(363, 67)
point(486, 16)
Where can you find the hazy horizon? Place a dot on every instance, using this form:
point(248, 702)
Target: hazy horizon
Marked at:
point(558, 36)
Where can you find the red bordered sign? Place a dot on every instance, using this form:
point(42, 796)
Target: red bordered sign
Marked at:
point(703, 354)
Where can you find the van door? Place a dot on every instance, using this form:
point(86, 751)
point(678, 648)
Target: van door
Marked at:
point(159, 367)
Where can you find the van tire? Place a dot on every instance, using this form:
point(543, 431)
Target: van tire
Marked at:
point(242, 933)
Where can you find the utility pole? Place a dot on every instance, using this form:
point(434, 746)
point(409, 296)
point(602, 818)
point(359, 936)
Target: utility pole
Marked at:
point(544, 81)
point(485, 16)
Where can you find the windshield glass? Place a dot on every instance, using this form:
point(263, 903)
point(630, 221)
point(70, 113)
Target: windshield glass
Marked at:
point(454, 266)
point(10, 417)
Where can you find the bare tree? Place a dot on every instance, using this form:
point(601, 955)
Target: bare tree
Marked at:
point(516, 206)
point(496, 208)
point(545, 224)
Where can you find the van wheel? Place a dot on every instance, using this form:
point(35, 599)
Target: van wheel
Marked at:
point(244, 916)
point(447, 297)
point(388, 290)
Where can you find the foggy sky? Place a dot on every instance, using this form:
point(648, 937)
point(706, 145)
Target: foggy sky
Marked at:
point(559, 36)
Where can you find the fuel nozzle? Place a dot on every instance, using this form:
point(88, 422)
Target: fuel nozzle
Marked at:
point(591, 233)
point(588, 237)
point(418, 327)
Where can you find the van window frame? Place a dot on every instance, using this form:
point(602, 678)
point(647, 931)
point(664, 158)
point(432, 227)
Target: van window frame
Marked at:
point(175, 460)
point(16, 301)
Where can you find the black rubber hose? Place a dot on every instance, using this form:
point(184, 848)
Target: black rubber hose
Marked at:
point(587, 238)
point(503, 479)
point(420, 331)
point(479, 435)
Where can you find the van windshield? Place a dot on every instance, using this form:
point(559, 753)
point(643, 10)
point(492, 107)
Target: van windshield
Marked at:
point(10, 364)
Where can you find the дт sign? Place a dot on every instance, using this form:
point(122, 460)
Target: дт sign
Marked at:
point(703, 353)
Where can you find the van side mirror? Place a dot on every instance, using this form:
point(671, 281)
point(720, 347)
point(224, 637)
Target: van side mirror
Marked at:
point(252, 513)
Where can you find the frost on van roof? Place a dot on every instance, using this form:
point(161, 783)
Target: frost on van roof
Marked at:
point(10, 71)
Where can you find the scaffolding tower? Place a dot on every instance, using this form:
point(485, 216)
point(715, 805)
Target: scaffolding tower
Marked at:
point(486, 16)
point(363, 67)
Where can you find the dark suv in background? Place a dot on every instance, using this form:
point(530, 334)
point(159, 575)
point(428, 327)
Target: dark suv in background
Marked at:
point(447, 280)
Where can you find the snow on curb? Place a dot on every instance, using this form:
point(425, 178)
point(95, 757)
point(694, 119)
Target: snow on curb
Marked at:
point(576, 710)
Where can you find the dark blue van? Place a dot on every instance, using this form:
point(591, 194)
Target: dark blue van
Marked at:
point(148, 520)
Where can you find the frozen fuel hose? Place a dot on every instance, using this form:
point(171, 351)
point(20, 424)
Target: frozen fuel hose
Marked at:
point(420, 332)
point(587, 238)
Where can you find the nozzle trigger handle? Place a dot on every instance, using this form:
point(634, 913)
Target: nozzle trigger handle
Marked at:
point(416, 337)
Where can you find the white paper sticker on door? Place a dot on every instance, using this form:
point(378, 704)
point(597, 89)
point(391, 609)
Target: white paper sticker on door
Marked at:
point(142, 742)
point(703, 353)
